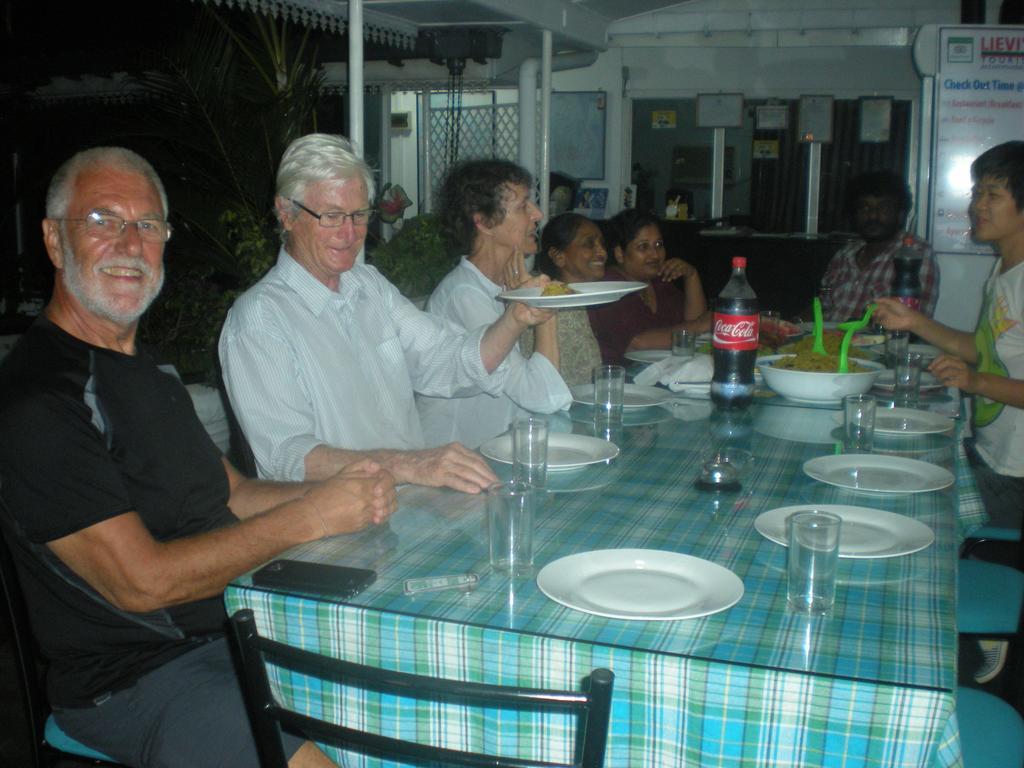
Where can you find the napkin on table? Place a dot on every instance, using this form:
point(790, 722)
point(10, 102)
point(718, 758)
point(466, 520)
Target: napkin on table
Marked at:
point(690, 377)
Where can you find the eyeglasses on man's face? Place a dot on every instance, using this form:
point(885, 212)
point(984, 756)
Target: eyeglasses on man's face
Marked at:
point(332, 219)
point(107, 226)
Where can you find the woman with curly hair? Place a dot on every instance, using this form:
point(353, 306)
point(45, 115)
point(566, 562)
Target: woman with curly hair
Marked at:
point(488, 211)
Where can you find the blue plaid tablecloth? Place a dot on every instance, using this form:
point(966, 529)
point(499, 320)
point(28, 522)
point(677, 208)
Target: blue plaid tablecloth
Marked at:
point(871, 684)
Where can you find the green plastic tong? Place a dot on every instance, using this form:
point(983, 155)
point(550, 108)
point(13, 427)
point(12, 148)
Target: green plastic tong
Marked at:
point(851, 327)
point(819, 344)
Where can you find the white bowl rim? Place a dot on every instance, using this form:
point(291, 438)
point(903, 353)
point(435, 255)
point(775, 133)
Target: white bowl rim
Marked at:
point(768, 360)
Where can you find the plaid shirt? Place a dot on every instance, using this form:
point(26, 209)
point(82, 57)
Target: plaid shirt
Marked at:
point(852, 288)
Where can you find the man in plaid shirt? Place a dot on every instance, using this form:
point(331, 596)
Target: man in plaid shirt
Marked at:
point(863, 269)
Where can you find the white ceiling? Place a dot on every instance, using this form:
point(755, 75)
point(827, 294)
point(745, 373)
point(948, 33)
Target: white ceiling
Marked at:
point(623, 9)
point(575, 24)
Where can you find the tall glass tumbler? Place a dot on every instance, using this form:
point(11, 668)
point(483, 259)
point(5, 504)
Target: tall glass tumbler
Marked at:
point(907, 380)
point(510, 513)
point(859, 423)
point(530, 450)
point(896, 345)
point(609, 388)
point(813, 560)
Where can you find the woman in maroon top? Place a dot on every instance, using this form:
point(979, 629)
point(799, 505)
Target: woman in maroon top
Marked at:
point(646, 319)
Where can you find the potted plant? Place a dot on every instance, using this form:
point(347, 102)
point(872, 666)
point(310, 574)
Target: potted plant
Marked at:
point(416, 258)
point(224, 102)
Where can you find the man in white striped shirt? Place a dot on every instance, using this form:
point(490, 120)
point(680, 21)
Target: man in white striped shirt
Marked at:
point(322, 356)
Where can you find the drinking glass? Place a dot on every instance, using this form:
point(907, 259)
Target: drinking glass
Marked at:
point(813, 560)
point(684, 343)
point(907, 380)
point(530, 450)
point(896, 345)
point(859, 423)
point(609, 385)
point(510, 512)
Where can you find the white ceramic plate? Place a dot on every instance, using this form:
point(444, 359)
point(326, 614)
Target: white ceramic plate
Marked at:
point(906, 421)
point(641, 584)
point(886, 380)
point(865, 533)
point(634, 417)
point(587, 294)
point(927, 351)
point(867, 339)
point(878, 474)
point(648, 355)
point(565, 451)
point(828, 325)
point(633, 395)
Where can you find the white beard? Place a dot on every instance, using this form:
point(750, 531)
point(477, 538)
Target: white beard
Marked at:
point(90, 297)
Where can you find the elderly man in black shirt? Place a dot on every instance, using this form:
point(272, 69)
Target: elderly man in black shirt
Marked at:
point(125, 522)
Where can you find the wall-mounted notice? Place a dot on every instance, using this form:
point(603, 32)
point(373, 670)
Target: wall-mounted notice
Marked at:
point(815, 118)
point(979, 102)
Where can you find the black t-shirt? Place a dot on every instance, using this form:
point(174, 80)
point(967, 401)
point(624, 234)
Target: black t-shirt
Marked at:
point(87, 434)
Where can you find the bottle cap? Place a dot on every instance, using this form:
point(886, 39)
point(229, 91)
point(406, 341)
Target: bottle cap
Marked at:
point(739, 262)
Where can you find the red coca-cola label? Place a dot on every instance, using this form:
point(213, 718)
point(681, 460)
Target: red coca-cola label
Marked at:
point(735, 331)
point(911, 301)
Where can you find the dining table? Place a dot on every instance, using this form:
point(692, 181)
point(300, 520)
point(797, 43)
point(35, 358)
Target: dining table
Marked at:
point(870, 683)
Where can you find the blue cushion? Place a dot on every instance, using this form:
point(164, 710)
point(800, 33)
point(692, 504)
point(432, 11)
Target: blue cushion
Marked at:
point(989, 597)
point(57, 739)
point(991, 731)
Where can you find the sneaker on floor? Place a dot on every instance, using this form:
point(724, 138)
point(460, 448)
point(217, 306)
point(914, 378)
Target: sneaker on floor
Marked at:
point(993, 654)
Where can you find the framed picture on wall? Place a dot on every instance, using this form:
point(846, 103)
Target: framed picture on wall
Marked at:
point(875, 119)
point(815, 119)
point(577, 133)
point(719, 110)
point(772, 117)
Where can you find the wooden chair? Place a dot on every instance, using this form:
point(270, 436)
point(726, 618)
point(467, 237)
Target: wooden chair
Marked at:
point(48, 742)
point(268, 716)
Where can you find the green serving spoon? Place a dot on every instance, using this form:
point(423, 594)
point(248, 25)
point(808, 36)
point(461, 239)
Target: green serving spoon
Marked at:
point(851, 327)
point(819, 344)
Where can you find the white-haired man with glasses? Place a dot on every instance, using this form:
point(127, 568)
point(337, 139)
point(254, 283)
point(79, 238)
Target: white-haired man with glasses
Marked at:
point(124, 520)
point(322, 356)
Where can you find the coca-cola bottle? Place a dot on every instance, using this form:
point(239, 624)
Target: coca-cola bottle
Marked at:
point(906, 279)
point(734, 340)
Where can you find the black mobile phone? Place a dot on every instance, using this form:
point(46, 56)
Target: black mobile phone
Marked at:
point(317, 578)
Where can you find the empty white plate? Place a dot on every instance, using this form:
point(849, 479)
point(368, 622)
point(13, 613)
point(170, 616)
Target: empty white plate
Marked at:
point(878, 474)
point(886, 380)
point(907, 421)
point(648, 355)
point(565, 451)
point(641, 584)
point(633, 395)
point(865, 533)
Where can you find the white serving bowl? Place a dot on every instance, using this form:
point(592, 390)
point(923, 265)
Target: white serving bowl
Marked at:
point(814, 387)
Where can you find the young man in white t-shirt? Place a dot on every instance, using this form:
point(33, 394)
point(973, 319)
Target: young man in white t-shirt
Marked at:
point(989, 364)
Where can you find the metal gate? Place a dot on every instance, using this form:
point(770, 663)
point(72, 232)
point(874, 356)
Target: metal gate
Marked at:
point(490, 131)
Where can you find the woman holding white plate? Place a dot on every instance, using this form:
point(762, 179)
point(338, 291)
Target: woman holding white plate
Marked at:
point(487, 209)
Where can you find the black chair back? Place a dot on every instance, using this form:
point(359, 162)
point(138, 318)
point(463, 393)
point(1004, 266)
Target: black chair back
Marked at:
point(593, 706)
point(26, 660)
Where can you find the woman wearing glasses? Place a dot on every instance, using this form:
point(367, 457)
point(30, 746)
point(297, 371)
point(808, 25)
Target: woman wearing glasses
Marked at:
point(487, 209)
